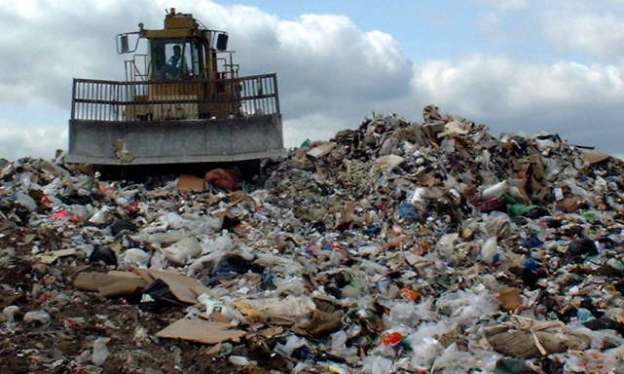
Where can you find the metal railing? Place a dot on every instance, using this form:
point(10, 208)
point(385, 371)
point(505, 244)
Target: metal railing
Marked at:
point(110, 101)
point(137, 68)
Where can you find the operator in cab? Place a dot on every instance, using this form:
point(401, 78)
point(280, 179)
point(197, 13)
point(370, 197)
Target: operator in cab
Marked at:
point(176, 67)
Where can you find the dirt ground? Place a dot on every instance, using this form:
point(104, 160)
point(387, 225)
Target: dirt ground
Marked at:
point(78, 318)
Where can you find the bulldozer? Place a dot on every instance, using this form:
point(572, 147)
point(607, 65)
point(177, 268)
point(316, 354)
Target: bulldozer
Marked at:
point(182, 101)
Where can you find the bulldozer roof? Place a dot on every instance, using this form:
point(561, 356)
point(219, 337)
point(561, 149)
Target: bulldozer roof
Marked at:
point(177, 25)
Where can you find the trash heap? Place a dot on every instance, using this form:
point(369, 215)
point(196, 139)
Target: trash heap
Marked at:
point(393, 247)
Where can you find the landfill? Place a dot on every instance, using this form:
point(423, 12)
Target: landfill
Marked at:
point(394, 247)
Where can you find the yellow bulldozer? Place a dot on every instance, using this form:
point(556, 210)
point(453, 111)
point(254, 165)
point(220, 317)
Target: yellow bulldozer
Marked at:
point(182, 101)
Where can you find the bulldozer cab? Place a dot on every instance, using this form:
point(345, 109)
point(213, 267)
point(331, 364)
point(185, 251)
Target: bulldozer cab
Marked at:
point(170, 60)
point(182, 100)
point(181, 50)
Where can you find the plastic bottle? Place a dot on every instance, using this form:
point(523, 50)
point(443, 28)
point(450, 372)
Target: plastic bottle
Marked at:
point(39, 316)
point(496, 190)
point(488, 250)
point(100, 351)
point(10, 311)
point(26, 201)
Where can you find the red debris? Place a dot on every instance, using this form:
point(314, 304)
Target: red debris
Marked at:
point(226, 179)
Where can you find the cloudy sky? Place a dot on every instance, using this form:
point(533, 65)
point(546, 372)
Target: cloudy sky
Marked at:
point(516, 65)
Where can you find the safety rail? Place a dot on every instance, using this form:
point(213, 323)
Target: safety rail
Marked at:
point(114, 101)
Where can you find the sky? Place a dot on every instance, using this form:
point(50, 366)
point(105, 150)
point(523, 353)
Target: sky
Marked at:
point(519, 66)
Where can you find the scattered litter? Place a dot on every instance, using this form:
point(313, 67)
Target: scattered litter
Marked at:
point(394, 247)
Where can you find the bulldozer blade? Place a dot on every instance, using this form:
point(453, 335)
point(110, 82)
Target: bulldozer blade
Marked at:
point(175, 142)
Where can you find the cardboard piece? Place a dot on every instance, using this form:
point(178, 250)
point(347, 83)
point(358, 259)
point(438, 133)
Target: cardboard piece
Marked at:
point(8, 299)
point(594, 157)
point(271, 332)
point(111, 284)
point(347, 216)
point(530, 177)
point(321, 150)
point(50, 257)
point(90, 281)
point(191, 183)
point(185, 289)
point(122, 286)
point(320, 324)
point(200, 331)
point(122, 283)
point(388, 163)
point(509, 299)
point(570, 204)
point(534, 339)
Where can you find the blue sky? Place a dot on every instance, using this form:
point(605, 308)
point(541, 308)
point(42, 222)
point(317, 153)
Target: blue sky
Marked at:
point(416, 24)
point(516, 65)
point(440, 29)
point(425, 29)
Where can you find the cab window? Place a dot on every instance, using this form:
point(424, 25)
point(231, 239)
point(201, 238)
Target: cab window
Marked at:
point(172, 60)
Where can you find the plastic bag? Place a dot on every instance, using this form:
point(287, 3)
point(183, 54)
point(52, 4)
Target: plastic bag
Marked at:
point(376, 365)
point(408, 314)
point(488, 250)
point(289, 310)
point(101, 216)
point(215, 306)
point(467, 306)
point(100, 351)
point(182, 251)
point(293, 286)
point(446, 245)
point(26, 201)
point(425, 346)
point(338, 345)
point(134, 257)
point(222, 243)
point(293, 342)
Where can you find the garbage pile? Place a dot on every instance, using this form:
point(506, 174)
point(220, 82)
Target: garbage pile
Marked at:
point(393, 247)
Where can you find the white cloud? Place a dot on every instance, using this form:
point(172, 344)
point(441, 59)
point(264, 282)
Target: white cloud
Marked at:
point(46, 43)
point(331, 72)
point(582, 102)
point(35, 140)
point(599, 35)
point(313, 126)
point(479, 84)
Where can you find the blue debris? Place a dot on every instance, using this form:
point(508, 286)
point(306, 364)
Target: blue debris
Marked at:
point(532, 242)
point(532, 264)
point(373, 230)
point(408, 211)
point(584, 315)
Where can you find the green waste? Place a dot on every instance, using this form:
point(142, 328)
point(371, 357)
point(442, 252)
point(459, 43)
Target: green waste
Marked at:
point(513, 366)
point(519, 210)
point(590, 216)
point(515, 208)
